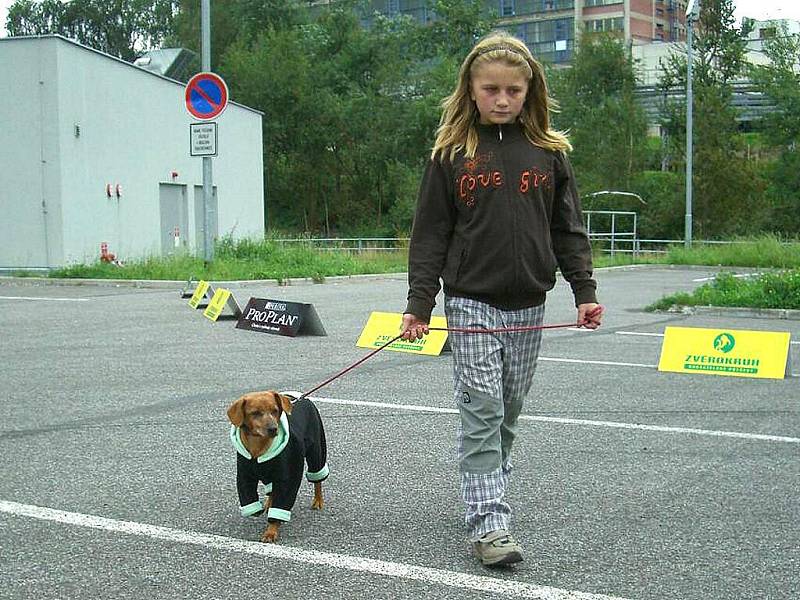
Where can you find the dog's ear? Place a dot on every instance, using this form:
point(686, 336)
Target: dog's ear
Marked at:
point(286, 403)
point(236, 412)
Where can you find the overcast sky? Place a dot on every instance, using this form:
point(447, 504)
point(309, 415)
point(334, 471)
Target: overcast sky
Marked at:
point(757, 9)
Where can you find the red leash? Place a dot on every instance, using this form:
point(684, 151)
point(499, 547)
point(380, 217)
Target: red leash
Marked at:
point(595, 312)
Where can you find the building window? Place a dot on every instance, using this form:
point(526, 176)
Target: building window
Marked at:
point(550, 40)
point(601, 2)
point(767, 33)
point(392, 8)
point(601, 25)
point(507, 8)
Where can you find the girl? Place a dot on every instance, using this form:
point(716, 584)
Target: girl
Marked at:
point(498, 211)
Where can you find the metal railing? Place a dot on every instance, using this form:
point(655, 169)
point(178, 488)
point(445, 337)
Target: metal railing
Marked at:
point(610, 231)
point(611, 219)
point(618, 234)
point(356, 244)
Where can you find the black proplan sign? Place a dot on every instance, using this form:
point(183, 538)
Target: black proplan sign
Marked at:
point(280, 318)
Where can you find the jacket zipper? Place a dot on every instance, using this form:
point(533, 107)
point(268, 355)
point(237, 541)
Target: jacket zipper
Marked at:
point(514, 214)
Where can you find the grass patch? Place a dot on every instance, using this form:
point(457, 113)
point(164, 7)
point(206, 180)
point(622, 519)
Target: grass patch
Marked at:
point(623, 259)
point(246, 260)
point(764, 251)
point(771, 290)
point(272, 260)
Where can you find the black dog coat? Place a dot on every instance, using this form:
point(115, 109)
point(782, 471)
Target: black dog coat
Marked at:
point(301, 438)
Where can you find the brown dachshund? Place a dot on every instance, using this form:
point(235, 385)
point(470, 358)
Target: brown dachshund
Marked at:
point(274, 435)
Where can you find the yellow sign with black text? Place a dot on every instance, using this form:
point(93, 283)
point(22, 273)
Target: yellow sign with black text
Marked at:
point(217, 304)
point(382, 327)
point(733, 352)
point(199, 294)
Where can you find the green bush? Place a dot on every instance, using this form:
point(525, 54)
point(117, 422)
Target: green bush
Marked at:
point(764, 251)
point(663, 216)
point(771, 290)
point(245, 260)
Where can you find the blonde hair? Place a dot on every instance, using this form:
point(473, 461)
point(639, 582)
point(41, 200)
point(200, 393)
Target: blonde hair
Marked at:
point(457, 130)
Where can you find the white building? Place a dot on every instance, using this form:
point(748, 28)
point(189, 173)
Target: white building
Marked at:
point(651, 57)
point(95, 150)
point(762, 32)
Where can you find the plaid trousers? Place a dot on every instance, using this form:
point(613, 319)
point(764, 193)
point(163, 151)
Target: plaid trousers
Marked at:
point(492, 374)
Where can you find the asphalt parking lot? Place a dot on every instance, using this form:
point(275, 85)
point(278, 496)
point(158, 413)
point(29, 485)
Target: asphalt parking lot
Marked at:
point(118, 479)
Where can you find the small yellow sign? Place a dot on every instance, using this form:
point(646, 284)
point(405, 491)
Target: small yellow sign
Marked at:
point(734, 352)
point(199, 294)
point(382, 327)
point(217, 304)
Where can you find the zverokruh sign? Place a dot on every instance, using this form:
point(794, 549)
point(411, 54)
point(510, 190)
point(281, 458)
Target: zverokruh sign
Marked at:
point(734, 352)
point(206, 96)
point(382, 327)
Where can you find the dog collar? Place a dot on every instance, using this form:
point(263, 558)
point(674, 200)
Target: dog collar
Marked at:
point(277, 446)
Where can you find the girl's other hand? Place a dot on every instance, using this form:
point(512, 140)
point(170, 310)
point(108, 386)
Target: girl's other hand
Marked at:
point(412, 327)
point(590, 315)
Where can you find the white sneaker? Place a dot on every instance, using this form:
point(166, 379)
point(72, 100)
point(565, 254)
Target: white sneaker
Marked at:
point(497, 548)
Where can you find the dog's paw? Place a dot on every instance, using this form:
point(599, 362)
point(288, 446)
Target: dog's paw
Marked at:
point(269, 537)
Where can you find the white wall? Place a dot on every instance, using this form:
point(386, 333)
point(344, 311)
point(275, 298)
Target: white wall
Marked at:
point(756, 41)
point(134, 131)
point(30, 215)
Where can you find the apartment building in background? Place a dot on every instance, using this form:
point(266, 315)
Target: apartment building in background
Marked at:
point(550, 28)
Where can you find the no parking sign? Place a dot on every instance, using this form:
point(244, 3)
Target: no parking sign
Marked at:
point(206, 95)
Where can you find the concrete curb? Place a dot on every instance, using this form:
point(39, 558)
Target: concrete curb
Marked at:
point(719, 268)
point(132, 283)
point(173, 284)
point(751, 313)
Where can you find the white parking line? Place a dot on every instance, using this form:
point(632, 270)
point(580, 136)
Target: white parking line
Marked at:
point(497, 587)
point(736, 275)
point(37, 298)
point(567, 421)
point(663, 429)
point(643, 333)
point(596, 362)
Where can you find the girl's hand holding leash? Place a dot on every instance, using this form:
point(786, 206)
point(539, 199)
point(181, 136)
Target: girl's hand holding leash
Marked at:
point(590, 315)
point(412, 327)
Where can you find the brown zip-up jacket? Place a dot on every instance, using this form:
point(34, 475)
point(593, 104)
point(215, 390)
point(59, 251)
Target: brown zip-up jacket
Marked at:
point(495, 227)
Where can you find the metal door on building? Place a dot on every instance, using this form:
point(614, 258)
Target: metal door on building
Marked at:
point(174, 218)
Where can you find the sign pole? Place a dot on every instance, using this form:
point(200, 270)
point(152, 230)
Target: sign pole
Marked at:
point(208, 208)
point(692, 13)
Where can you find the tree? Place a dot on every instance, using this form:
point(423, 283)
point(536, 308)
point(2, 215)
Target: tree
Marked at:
point(349, 112)
point(458, 25)
point(234, 20)
point(779, 81)
point(607, 126)
point(726, 186)
point(122, 28)
point(337, 118)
